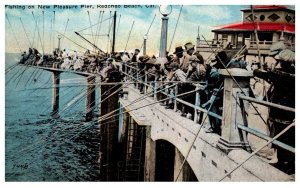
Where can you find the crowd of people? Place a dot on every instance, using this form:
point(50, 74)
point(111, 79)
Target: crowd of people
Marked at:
point(187, 68)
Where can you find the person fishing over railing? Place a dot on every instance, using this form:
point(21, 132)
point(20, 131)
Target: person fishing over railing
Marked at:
point(176, 74)
point(133, 62)
point(196, 73)
point(282, 91)
point(214, 89)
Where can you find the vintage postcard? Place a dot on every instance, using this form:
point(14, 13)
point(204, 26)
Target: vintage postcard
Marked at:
point(149, 93)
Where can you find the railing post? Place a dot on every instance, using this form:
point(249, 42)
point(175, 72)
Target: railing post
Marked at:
point(197, 103)
point(137, 76)
point(100, 101)
point(126, 71)
point(224, 42)
point(231, 137)
point(175, 94)
point(155, 90)
point(145, 83)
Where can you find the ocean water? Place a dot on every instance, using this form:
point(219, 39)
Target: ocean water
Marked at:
point(39, 147)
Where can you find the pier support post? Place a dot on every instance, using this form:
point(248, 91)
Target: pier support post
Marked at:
point(231, 137)
point(150, 157)
point(186, 173)
point(90, 97)
point(55, 93)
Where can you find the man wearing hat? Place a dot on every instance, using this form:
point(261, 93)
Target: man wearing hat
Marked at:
point(275, 49)
point(134, 57)
point(196, 69)
point(108, 66)
point(141, 71)
point(189, 49)
point(282, 91)
point(179, 57)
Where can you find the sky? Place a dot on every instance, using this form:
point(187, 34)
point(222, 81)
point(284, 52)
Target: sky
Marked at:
point(205, 16)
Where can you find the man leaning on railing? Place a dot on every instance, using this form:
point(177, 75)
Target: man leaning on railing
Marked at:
point(282, 91)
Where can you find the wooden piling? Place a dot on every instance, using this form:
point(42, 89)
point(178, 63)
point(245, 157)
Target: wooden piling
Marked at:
point(55, 93)
point(90, 97)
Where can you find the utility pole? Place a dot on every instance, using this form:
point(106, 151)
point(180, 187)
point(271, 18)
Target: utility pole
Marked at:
point(114, 34)
point(164, 31)
point(58, 37)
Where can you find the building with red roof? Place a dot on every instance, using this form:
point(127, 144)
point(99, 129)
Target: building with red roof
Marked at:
point(272, 22)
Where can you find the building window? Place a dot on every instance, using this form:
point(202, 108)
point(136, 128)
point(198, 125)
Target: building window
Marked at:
point(273, 17)
point(262, 17)
point(265, 36)
point(288, 18)
point(249, 18)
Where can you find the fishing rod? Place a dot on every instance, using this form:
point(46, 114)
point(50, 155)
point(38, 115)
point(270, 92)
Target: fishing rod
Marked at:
point(147, 31)
point(56, 132)
point(50, 42)
point(37, 30)
point(57, 111)
point(128, 36)
point(52, 135)
point(73, 41)
point(256, 35)
point(93, 25)
point(93, 38)
point(26, 68)
point(108, 35)
point(89, 42)
point(53, 30)
point(25, 32)
point(197, 135)
point(33, 39)
point(98, 27)
point(100, 35)
point(242, 91)
point(15, 37)
point(175, 27)
point(162, 100)
point(62, 40)
point(118, 26)
point(43, 34)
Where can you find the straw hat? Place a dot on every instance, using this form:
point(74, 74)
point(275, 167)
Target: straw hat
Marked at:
point(276, 48)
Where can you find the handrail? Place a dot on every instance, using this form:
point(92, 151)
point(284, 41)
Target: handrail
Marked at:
point(260, 134)
point(266, 137)
point(197, 85)
point(265, 103)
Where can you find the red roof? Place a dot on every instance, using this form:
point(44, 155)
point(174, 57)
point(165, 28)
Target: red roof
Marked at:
point(272, 7)
point(248, 26)
point(267, 7)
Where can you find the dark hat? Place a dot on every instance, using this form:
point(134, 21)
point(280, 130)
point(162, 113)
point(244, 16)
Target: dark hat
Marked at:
point(178, 49)
point(199, 57)
point(222, 55)
point(220, 58)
